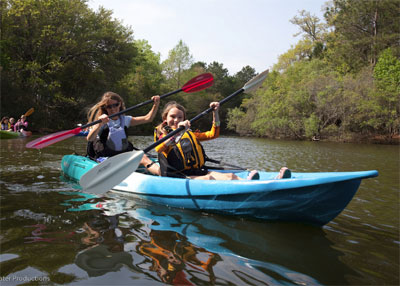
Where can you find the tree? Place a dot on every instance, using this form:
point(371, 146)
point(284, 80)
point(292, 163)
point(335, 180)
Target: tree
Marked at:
point(332, 84)
point(244, 75)
point(179, 60)
point(362, 29)
point(145, 76)
point(309, 25)
point(301, 51)
point(313, 31)
point(385, 102)
point(59, 56)
point(143, 81)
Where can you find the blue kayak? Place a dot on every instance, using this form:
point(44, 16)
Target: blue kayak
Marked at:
point(315, 198)
point(83, 133)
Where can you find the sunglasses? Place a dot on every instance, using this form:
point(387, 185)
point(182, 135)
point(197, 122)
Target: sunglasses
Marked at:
point(112, 105)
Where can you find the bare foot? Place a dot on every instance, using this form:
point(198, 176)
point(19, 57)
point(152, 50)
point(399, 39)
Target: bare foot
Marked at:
point(284, 173)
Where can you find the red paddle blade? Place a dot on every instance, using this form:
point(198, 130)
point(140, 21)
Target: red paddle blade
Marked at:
point(52, 138)
point(198, 83)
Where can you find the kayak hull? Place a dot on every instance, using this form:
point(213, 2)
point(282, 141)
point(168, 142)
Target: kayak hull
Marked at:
point(315, 198)
point(267, 199)
point(12, 135)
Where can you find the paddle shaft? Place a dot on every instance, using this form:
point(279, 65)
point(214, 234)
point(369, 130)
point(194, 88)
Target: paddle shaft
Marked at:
point(195, 84)
point(114, 170)
point(197, 117)
point(129, 109)
point(222, 163)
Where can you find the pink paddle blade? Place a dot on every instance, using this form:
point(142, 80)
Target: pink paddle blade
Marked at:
point(52, 138)
point(198, 83)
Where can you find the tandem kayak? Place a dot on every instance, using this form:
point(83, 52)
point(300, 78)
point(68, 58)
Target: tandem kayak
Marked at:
point(315, 198)
point(11, 135)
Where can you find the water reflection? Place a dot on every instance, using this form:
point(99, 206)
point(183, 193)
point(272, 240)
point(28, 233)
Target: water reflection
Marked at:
point(104, 247)
point(275, 250)
point(53, 237)
point(176, 260)
point(71, 238)
point(112, 236)
point(115, 234)
point(185, 247)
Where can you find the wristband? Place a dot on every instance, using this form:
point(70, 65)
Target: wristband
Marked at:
point(149, 165)
point(217, 123)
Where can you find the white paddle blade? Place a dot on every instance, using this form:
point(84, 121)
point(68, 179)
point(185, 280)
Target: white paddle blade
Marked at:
point(255, 82)
point(111, 172)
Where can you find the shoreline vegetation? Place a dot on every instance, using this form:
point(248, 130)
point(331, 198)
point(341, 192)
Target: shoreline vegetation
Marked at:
point(346, 138)
point(340, 82)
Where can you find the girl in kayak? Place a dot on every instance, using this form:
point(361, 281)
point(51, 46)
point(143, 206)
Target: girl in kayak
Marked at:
point(21, 125)
point(12, 123)
point(183, 156)
point(110, 137)
point(5, 124)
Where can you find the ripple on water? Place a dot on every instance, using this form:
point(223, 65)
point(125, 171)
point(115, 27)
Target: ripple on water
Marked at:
point(360, 247)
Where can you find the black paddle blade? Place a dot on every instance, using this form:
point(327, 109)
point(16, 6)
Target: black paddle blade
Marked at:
point(198, 83)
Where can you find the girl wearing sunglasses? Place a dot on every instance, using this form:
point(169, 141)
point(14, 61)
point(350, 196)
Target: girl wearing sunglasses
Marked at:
point(110, 137)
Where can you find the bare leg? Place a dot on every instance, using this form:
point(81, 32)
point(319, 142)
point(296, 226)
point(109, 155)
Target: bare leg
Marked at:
point(284, 173)
point(224, 176)
point(217, 176)
point(205, 177)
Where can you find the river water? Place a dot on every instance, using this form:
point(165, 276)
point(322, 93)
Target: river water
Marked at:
point(52, 234)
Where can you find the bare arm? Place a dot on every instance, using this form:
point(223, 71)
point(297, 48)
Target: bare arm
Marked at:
point(215, 105)
point(149, 117)
point(96, 128)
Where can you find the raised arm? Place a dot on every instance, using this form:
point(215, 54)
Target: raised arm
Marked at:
point(96, 128)
point(149, 116)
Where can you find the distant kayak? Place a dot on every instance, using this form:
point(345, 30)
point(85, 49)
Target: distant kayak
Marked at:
point(83, 133)
point(315, 198)
point(11, 135)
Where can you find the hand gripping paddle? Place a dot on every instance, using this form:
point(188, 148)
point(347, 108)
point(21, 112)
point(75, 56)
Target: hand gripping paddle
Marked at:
point(197, 83)
point(115, 169)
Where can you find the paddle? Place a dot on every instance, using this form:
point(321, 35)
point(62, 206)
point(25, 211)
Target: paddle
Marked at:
point(197, 83)
point(29, 112)
point(222, 163)
point(115, 169)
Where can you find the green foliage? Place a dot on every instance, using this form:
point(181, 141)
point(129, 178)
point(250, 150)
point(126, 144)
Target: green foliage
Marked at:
point(145, 78)
point(236, 121)
point(311, 126)
point(59, 56)
point(387, 72)
point(362, 30)
point(142, 82)
point(310, 25)
point(179, 60)
point(385, 100)
point(342, 77)
point(303, 50)
point(328, 84)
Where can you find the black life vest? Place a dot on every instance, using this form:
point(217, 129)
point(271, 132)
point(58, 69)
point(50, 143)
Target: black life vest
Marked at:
point(103, 145)
point(186, 158)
